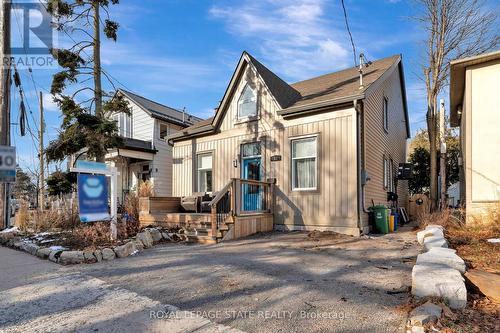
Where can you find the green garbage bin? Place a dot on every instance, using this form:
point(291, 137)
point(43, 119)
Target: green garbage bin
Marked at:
point(381, 221)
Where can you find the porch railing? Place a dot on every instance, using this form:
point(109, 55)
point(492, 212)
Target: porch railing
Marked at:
point(241, 197)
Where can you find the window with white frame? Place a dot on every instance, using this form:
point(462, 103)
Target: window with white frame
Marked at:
point(247, 103)
point(304, 163)
point(204, 172)
point(124, 124)
point(388, 175)
point(386, 114)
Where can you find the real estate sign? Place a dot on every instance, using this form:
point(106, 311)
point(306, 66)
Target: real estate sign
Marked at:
point(7, 164)
point(93, 198)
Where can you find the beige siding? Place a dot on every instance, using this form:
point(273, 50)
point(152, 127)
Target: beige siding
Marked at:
point(333, 205)
point(479, 127)
point(379, 143)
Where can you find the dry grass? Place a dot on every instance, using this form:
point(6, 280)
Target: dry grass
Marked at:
point(146, 189)
point(470, 239)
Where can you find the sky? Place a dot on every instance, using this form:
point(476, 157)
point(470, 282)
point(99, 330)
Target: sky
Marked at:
point(182, 53)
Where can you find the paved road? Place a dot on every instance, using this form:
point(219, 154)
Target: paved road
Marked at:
point(282, 282)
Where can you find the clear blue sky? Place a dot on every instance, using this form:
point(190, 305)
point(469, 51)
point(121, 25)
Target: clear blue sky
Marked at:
point(182, 52)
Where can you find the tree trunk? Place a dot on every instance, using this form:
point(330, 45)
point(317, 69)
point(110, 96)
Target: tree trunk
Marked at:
point(97, 67)
point(432, 130)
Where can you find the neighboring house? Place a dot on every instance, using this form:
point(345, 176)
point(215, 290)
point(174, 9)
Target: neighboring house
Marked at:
point(453, 194)
point(146, 155)
point(319, 139)
point(475, 108)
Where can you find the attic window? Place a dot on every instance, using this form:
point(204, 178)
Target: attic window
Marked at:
point(247, 103)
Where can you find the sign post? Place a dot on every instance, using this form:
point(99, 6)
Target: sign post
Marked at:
point(7, 175)
point(91, 191)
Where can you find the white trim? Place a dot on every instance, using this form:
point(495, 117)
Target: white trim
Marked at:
point(255, 96)
point(316, 164)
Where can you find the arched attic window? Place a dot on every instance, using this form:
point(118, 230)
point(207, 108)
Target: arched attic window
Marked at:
point(247, 103)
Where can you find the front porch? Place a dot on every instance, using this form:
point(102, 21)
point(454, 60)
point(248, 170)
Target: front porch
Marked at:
point(242, 208)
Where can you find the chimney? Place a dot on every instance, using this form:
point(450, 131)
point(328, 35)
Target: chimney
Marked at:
point(361, 60)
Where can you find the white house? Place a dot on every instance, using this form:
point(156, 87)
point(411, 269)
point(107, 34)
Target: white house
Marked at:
point(146, 154)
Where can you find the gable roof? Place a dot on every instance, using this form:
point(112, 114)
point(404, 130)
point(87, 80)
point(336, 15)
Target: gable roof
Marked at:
point(298, 98)
point(160, 111)
point(340, 85)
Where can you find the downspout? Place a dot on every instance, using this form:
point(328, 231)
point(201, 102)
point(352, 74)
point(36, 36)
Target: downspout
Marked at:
point(362, 175)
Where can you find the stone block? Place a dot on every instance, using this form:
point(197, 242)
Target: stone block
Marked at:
point(425, 313)
point(145, 238)
point(440, 281)
point(442, 256)
point(108, 254)
point(434, 241)
point(71, 257)
point(125, 250)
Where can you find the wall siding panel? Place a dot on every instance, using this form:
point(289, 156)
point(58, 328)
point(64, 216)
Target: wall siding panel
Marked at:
point(379, 143)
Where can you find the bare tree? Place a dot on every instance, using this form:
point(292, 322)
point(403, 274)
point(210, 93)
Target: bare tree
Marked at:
point(455, 29)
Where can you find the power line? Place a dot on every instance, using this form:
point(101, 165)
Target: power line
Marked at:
point(350, 34)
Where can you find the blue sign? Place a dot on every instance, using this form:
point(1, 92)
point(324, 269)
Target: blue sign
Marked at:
point(91, 165)
point(93, 198)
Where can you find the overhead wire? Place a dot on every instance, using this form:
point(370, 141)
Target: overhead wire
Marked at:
point(350, 34)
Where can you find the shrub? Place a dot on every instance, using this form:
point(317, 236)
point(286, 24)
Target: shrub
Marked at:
point(146, 189)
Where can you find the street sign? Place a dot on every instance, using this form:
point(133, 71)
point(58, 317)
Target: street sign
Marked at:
point(7, 164)
point(93, 198)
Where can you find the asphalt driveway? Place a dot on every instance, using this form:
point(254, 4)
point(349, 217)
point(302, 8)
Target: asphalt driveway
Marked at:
point(277, 282)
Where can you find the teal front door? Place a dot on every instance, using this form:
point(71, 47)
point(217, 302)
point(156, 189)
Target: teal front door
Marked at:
point(252, 194)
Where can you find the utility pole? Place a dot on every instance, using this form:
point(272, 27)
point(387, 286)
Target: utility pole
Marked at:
point(4, 102)
point(41, 201)
point(442, 155)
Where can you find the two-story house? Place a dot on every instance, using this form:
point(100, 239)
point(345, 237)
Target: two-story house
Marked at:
point(146, 154)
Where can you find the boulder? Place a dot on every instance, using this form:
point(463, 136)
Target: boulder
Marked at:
point(425, 313)
point(43, 253)
point(145, 238)
point(98, 255)
point(54, 255)
point(89, 257)
point(17, 244)
point(11, 241)
point(434, 241)
point(166, 236)
point(440, 281)
point(429, 232)
point(155, 234)
point(6, 236)
point(433, 226)
point(488, 283)
point(31, 248)
point(71, 257)
point(108, 254)
point(138, 245)
point(442, 256)
point(125, 250)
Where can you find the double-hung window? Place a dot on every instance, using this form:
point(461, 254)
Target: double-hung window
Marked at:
point(204, 172)
point(124, 124)
point(388, 175)
point(305, 163)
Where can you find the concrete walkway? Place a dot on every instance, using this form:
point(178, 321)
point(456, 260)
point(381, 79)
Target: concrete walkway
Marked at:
point(280, 282)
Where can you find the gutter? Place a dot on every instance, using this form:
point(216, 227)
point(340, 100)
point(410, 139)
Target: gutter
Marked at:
point(362, 175)
point(308, 108)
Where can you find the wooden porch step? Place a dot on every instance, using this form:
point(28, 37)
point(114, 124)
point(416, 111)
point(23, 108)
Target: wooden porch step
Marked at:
point(202, 239)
